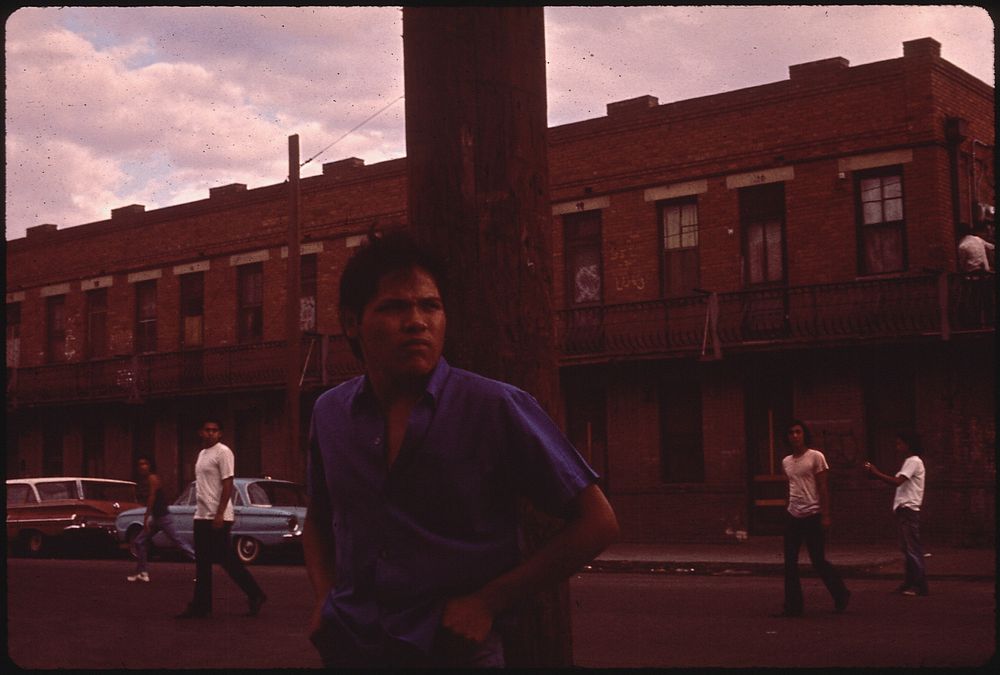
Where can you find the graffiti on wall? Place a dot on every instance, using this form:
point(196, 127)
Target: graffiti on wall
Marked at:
point(840, 441)
point(622, 257)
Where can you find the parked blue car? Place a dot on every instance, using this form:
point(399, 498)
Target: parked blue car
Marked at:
point(269, 516)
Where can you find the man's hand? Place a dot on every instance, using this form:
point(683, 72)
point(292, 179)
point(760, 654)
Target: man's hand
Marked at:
point(468, 617)
point(825, 520)
point(218, 522)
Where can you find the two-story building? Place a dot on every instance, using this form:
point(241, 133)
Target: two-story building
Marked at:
point(723, 265)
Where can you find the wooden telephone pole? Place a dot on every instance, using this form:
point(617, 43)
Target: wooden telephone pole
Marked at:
point(292, 303)
point(478, 193)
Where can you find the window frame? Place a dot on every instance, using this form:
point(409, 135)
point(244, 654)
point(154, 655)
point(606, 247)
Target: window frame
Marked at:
point(587, 242)
point(753, 211)
point(679, 251)
point(97, 314)
point(145, 318)
point(862, 228)
point(254, 332)
point(191, 295)
point(55, 334)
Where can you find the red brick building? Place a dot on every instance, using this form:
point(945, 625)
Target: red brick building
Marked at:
point(722, 265)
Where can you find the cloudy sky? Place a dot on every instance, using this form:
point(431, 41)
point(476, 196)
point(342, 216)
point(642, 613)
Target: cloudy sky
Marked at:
point(109, 106)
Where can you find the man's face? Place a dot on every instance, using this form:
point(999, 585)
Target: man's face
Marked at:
point(796, 436)
point(401, 329)
point(210, 434)
point(143, 467)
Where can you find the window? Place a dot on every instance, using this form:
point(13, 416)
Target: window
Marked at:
point(307, 292)
point(881, 223)
point(19, 494)
point(145, 316)
point(55, 329)
point(55, 490)
point(682, 459)
point(13, 332)
point(582, 233)
point(250, 322)
point(97, 323)
point(762, 216)
point(192, 310)
point(679, 230)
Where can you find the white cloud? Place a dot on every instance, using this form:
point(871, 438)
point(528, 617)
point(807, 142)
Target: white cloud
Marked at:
point(108, 106)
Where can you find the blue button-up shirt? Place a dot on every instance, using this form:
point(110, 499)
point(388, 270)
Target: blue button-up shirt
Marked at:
point(442, 521)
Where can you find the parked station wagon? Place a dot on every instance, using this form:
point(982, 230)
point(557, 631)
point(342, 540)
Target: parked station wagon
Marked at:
point(269, 514)
point(45, 513)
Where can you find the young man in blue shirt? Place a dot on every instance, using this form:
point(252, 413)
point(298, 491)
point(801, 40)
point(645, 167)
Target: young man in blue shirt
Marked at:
point(411, 538)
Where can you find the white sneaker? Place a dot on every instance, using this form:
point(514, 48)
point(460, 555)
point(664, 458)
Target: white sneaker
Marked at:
point(141, 576)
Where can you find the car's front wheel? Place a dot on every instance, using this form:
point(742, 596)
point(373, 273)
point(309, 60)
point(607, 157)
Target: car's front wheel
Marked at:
point(247, 549)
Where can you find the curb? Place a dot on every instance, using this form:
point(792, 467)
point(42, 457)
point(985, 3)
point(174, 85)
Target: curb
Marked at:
point(675, 568)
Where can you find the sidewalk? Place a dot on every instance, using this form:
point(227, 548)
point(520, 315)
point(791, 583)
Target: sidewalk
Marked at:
point(763, 556)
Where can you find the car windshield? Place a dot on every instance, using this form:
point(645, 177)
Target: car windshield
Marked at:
point(108, 492)
point(19, 494)
point(266, 493)
point(52, 490)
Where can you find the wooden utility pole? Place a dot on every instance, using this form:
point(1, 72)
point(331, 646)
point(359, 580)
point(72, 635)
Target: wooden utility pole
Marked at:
point(478, 193)
point(292, 327)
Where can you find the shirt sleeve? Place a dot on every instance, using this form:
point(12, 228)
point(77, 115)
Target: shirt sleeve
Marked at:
point(908, 469)
point(820, 464)
point(227, 464)
point(547, 469)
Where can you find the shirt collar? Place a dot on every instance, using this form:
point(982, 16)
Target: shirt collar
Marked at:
point(363, 394)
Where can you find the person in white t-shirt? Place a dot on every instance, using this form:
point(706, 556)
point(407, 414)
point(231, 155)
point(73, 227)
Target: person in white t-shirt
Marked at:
point(213, 519)
point(909, 484)
point(807, 518)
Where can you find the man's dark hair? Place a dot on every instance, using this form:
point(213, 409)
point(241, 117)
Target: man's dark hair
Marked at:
point(149, 460)
point(392, 252)
point(807, 436)
point(209, 418)
point(912, 441)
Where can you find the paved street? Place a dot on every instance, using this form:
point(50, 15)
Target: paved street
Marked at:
point(67, 613)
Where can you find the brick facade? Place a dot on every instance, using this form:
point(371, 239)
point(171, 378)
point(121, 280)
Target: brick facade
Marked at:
point(825, 341)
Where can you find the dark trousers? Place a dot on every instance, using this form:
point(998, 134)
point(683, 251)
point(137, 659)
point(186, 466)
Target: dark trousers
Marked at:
point(913, 552)
point(211, 545)
point(810, 530)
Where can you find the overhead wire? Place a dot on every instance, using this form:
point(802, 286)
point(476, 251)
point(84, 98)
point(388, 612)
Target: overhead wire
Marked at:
point(366, 121)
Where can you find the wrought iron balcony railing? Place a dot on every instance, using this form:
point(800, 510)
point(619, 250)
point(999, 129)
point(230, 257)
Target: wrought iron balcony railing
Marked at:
point(933, 304)
point(326, 360)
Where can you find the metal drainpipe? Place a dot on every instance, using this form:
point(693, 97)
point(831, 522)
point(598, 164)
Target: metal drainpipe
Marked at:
point(973, 185)
point(955, 132)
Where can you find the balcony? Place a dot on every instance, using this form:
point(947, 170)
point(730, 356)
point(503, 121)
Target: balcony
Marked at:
point(934, 305)
point(327, 360)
